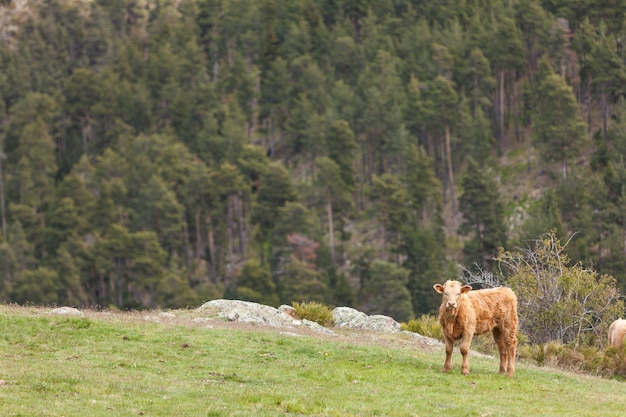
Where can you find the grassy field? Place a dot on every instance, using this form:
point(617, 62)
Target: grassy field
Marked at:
point(126, 364)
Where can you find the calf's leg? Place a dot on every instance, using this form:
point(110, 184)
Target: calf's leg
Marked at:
point(502, 348)
point(465, 347)
point(511, 344)
point(449, 347)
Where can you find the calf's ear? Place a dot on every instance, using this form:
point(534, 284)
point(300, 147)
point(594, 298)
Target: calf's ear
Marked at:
point(465, 289)
point(438, 288)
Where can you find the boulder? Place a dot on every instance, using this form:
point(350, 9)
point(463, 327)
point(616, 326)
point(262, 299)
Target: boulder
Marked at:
point(248, 312)
point(346, 317)
point(67, 311)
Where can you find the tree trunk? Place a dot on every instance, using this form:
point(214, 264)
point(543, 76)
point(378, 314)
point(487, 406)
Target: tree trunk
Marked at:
point(383, 244)
point(199, 244)
point(604, 112)
point(589, 129)
point(102, 289)
point(450, 171)
point(85, 130)
point(210, 238)
point(500, 110)
point(120, 284)
point(444, 176)
point(331, 226)
point(272, 141)
point(241, 225)
point(231, 238)
point(2, 204)
point(187, 249)
point(518, 135)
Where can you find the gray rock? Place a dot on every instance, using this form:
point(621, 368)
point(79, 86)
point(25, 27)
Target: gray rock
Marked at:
point(67, 311)
point(248, 312)
point(347, 317)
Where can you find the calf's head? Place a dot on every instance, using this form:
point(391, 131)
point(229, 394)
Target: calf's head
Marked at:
point(451, 291)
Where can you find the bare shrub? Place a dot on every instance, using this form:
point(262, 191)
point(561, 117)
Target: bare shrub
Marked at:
point(558, 302)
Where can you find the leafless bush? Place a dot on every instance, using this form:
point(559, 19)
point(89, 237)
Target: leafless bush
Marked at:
point(558, 302)
point(485, 279)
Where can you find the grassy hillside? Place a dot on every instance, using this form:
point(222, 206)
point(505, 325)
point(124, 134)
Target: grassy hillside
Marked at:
point(143, 364)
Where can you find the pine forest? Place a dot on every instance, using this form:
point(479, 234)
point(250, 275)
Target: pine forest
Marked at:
point(162, 153)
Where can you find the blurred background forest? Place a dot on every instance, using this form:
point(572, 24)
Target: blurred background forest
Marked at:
point(349, 152)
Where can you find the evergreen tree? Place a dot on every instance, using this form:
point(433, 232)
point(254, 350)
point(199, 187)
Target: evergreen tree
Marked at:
point(69, 289)
point(38, 286)
point(8, 269)
point(335, 195)
point(483, 215)
point(274, 191)
point(157, 209)
point(83, 92)
point(342, 147)
point(442, 111)
point(255, 284)
point(390, 204)
point(559, 129)
point(385, 291)
point(506, 54)
point(297, 281)
point(609, 71)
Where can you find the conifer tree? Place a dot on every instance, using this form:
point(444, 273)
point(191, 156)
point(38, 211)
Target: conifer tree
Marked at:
point(483, 215)
point(274, 192)
point(390, 204)
point(335, 195)
point(385, 292)
point(255, 284)
point(559, 128)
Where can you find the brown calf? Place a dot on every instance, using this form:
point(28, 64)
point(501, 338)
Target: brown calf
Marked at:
point(464, 313)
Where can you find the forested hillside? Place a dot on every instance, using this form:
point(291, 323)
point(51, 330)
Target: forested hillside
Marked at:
point(350, 152)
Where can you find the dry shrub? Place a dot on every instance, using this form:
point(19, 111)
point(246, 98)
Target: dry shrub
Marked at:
point(314, 311)
point(570, 359)
point(426, 325)
point(614, 361)
point(543, 354)
point(593, 359)
point(485, 343)
point(587, 359)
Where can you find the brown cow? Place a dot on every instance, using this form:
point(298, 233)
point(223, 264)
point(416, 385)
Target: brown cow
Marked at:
point(617, 333)
point(464, 313)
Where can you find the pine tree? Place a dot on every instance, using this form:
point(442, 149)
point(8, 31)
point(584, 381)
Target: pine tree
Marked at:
point(274, 192)
point(385, 291)
point(559, 128)
point(390, 204)
point(255, 284)
point(483, 215)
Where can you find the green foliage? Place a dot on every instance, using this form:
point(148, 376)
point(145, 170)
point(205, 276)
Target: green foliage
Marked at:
point(385, 291)
point(38, 286)
point(557, 301)
point(254, 283)
point(427, 325)
point(238, 130)
point(559, 131)
point(314, 311)
point(614, 361)
point(483, 217)
point(298, 281)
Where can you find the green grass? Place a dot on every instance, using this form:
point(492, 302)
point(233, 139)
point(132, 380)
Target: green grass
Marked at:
point(121, 365)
